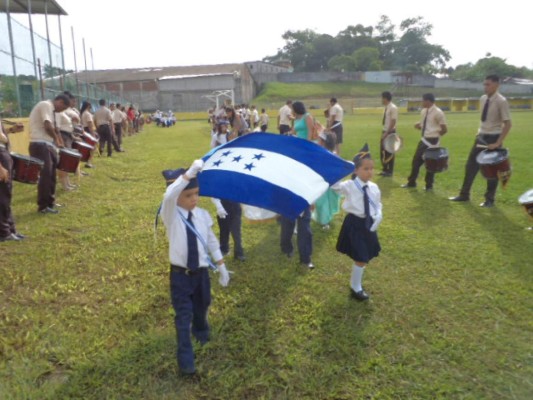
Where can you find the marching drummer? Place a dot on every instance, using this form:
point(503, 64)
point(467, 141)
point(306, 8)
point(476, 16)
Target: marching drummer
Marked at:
point(493, 129)
point(390, 119)
point(7, 223)
point(44, 137)
point(433, 126)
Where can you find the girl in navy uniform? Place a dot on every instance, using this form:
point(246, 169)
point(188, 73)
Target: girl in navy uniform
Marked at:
point(358, 238)
point(191, 238)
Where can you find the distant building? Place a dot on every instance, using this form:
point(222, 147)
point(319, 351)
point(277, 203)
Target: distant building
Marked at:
point(182, 88)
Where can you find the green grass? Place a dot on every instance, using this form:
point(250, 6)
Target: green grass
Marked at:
point(364, 94)
point(85, 310)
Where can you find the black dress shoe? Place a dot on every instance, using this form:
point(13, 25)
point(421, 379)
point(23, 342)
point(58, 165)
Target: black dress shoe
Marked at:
point(360, 295)
point(408, 186)
point(459, 198)
point(386, 174)
point(428, 189)
point(240, 258)
point(20, 235)
point(309, 265)
point(487, 204)
point(10, 238)
point(48, 210)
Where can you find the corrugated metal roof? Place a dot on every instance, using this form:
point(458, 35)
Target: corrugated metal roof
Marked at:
point(191, 76)
point(37, 7)
point(150, 74)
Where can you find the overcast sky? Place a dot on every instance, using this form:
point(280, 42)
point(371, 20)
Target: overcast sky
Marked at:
point(190, 32)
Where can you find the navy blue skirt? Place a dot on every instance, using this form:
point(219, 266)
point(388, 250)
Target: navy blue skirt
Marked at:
point(356, 241)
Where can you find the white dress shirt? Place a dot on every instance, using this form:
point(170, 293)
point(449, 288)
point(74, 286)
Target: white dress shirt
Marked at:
point(354, 199)
point(177, 230)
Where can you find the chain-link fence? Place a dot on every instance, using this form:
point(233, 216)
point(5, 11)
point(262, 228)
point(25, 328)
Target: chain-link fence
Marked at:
point(32, 69)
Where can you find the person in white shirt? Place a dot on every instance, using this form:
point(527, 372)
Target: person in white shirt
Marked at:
point(44, 137)
point(254, 118)
point(336, 116)
point(285, 118)
point(390, 119)
point(358, 237)
point(189, 228)
point(118, 120)
point(263, 120)
point(433, 126)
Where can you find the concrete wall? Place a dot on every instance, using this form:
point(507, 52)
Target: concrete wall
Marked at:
point(379, 76)
point(504, 88)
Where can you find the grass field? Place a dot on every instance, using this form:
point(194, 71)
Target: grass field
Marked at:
point(85, 310)
point(356, 94)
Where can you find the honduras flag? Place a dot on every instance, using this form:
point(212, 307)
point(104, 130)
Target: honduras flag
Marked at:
point(280, 173)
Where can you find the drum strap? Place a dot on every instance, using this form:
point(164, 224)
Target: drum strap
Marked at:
point(193, 229)
point(358, 186)
point(429, 144)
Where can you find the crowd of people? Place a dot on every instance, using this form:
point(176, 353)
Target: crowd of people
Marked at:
point(54, 124)
point(164, 120)
point(358, 239)
point(57, 131)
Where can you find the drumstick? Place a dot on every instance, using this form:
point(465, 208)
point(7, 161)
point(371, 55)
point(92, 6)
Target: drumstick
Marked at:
point(482, 146)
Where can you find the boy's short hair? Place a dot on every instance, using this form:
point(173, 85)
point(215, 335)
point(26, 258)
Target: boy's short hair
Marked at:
point(386, 95)
point(101, 102)
point(493, 77)
point(429, 97)
point(63, 98)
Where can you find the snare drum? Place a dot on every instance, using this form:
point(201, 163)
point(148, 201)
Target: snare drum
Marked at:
point(495, 164)
point(84, 149)
point(89, 139)
point(436, 159)
point(527, 201)
point(26, 169)
point(68, 160)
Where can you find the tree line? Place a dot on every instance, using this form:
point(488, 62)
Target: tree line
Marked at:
point(383, 47)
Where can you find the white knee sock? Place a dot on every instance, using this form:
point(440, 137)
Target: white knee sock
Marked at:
point(357, 278)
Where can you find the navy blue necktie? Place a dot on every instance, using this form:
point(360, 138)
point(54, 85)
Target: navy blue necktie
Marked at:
point(192, 246)
point(368, 219)
point(485, 111)
point(425, 122)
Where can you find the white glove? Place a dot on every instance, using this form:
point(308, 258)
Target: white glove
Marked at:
point(224, 275)
point(377, 220)
point(193, 170)
point(221, 211)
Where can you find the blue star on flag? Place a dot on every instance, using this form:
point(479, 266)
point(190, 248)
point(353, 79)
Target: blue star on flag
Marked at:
point(227, 153)
point(217, 163)
point(249, 166)
point(237, 159)
point(258, 156)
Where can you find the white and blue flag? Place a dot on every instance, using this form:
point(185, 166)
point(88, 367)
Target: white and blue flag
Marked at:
point(279, 173)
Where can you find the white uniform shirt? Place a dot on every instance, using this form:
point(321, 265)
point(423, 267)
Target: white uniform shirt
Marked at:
point(117, 116)
point(64, 120)
point(255, 116)
point(354, 198)
point(177, 230)
point(498, 113)
point(337, 112)
point(264, 119)
point(285, 114)
point(43, 111)
point(391, 113)
point(435, 118)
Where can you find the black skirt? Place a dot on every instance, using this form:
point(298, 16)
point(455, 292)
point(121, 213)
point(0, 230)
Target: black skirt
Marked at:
point(356, 241)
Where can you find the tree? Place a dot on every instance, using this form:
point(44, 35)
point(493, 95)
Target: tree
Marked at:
point(385, 37)
point(487, 66)
point(412, 52)
point(367, 59)
point(342, 63)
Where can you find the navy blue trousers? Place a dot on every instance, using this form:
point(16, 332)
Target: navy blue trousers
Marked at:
point(191, 297)
point(231, 224)
point(305, 236)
